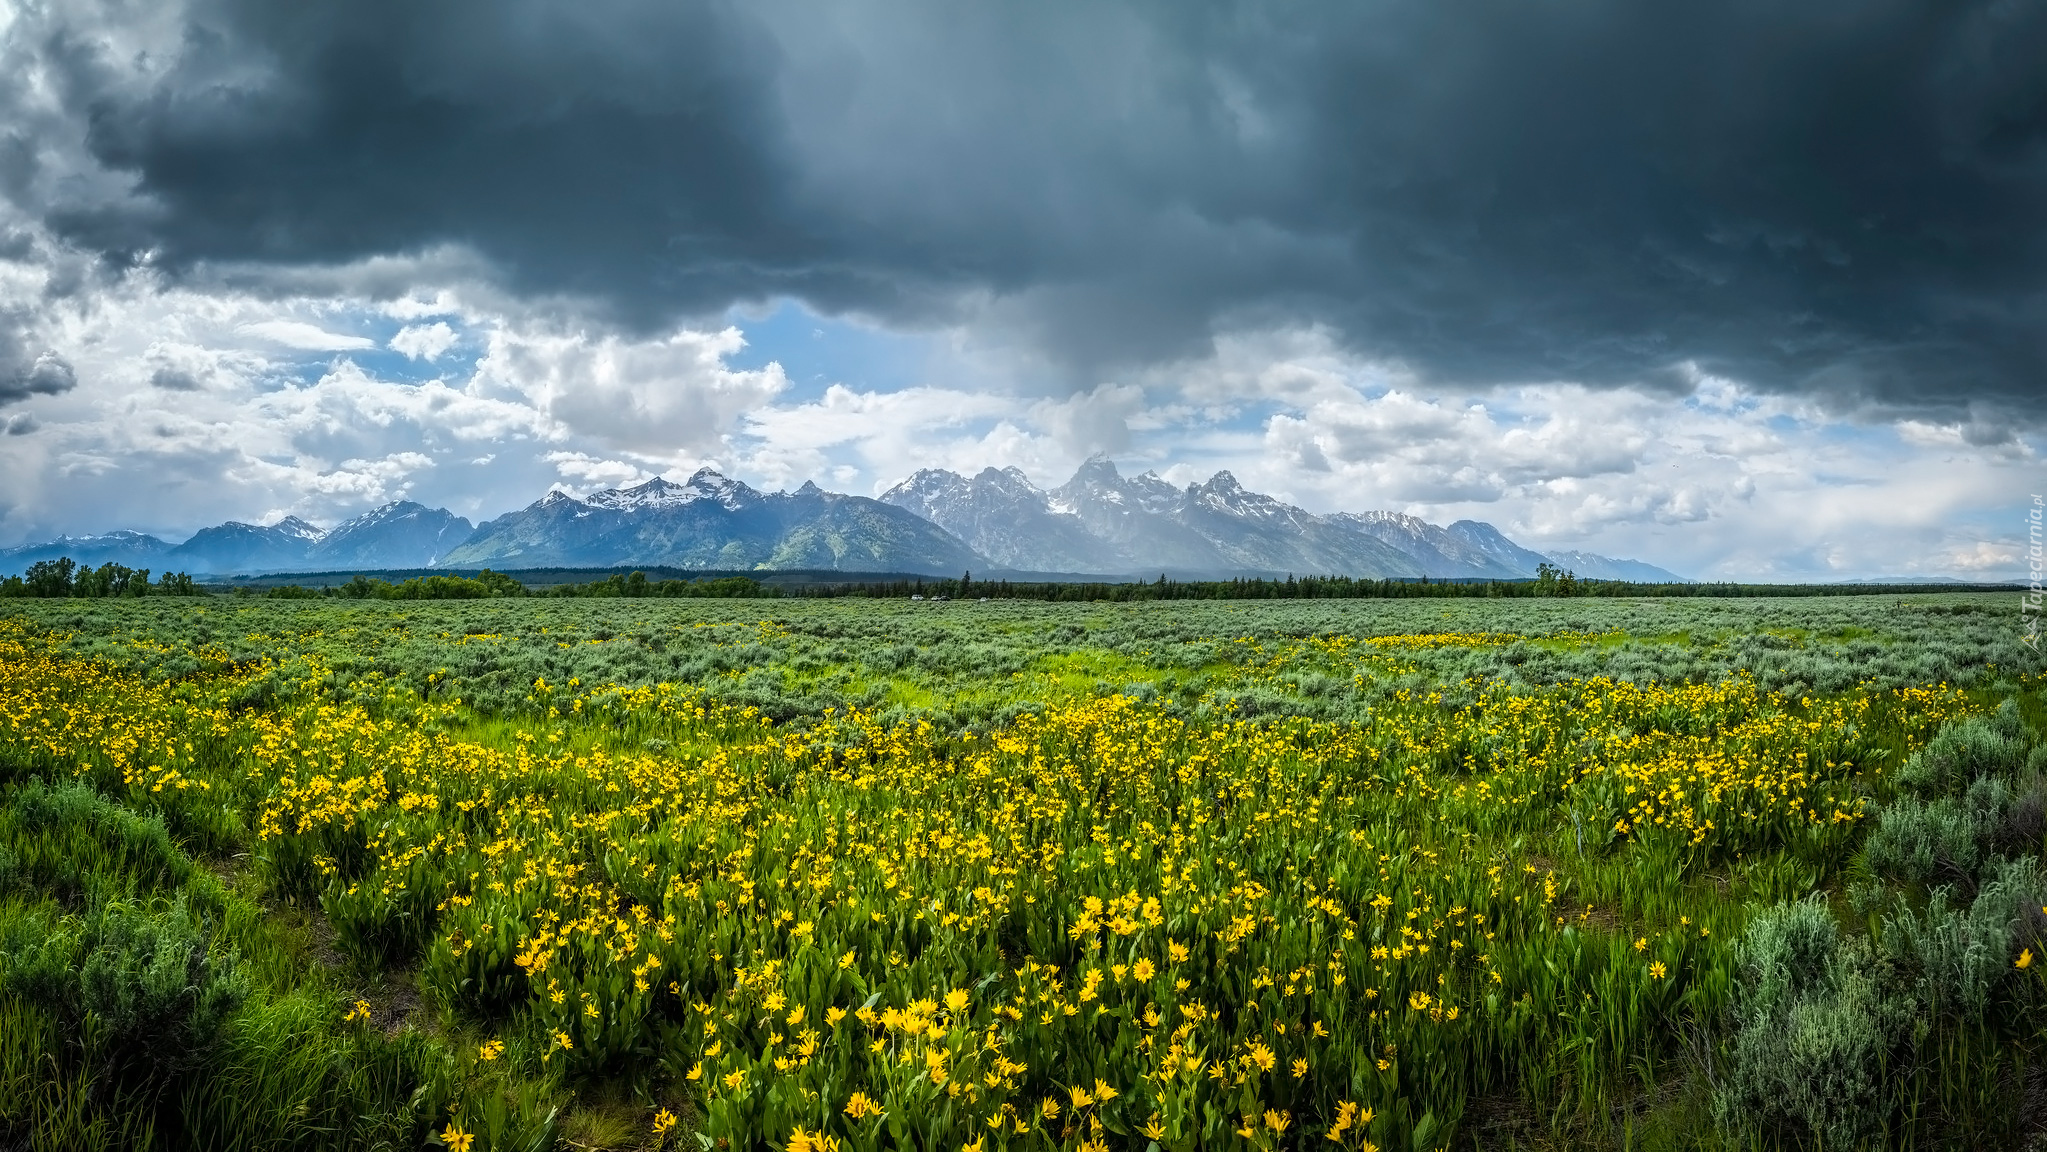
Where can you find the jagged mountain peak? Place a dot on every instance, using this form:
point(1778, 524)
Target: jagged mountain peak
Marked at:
point(710, 484)
point(1403, 519)
point(1010, 520)
point(299, 529)
point(1145, 523)
point(1010, 478)
point(388, 513)
point(134, 549)
point(401, 534)
point(1225, 490)
point(713, 521)
point(1097, 469)
point(939, 483)
point(935, 520)
point(289, 528)
point(1154, 492)
point(927, 480)
point(703, 484)
point(117, 536)
point(240, 547)
point(1225, 493)
point(1478, 530)
point(655, 492)
point(1494, 545)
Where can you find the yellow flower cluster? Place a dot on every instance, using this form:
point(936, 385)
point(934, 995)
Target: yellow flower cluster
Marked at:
point(1107, 918)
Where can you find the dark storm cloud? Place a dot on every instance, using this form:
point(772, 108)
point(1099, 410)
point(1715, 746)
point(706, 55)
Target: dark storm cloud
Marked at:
point(1842, 198)
point(610, 148)
point(24, 373)
point(175, 380)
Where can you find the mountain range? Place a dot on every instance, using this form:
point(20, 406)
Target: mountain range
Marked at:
point(402, 534)
point(937, 521)
point(717, 523)
point(1102, 521)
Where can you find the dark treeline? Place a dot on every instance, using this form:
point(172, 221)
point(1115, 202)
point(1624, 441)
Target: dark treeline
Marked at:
point(64, 577)
point(637, 585)
point(1550, 582)
point(486, 585)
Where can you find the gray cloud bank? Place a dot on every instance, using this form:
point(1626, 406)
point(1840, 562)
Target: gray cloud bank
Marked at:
point(1844, 198)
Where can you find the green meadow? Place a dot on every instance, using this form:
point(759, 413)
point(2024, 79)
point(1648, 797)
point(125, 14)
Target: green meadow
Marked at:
point(811, 875)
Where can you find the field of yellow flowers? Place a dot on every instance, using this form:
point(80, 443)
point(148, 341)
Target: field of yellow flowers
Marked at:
point(1134, 908)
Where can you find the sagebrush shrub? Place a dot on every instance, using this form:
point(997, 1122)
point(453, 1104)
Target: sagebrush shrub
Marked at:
point(1955, 955)
point(1961, 753)
point(1815, 1032)
point(1936, 842)
point(134, 987)
point(2023, 828)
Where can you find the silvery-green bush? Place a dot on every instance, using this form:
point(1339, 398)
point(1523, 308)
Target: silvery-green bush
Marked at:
point(1955, 956)
point(1816, 1033)
point(1931, 842)
point(1994, 745)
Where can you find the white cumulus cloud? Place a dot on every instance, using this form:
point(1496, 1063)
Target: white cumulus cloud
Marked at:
point(424, 341)
point(305, 337)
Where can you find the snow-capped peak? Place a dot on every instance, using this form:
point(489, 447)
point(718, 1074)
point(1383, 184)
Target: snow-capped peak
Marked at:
point(117, 536)
point(298, 529)
point(1010, 480)
point(1097, 470)
point(1414, 524)
point(704, 484)
point(708, 484)
point(389, 513)
point(655, 493)
point(1225, 493)
point(926, 484)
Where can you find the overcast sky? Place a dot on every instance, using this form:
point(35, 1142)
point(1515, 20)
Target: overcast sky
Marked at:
point(1746, 289)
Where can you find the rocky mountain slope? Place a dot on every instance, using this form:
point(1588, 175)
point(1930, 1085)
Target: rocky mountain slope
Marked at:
point(401, 534)
point(238, 547)
point(1592, 566)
